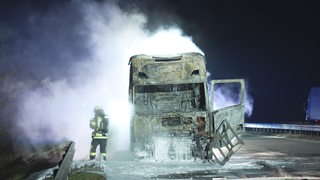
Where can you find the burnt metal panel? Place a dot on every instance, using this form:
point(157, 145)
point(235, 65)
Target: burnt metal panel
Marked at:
point(167, 69)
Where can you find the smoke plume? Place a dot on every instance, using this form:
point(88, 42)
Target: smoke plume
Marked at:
point(76, 63)
point(72, 57)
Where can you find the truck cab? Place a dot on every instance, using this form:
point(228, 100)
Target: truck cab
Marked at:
point(174, 114)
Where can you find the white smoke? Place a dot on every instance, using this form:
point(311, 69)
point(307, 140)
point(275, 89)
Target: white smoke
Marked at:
point(249, 101)
point(229, 95)
point(226, 98)
point(61, 108)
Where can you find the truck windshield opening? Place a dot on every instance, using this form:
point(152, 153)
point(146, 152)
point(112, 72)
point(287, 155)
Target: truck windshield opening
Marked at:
point(156, 99)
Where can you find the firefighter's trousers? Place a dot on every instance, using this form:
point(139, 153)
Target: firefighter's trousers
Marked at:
point(98, 142)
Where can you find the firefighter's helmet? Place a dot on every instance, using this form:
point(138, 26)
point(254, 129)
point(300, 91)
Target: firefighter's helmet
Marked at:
point(98, 110)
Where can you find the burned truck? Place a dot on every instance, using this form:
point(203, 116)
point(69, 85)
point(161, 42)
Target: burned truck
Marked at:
point(177, 115)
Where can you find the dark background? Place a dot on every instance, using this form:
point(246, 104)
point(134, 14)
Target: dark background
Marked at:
point(274, 45)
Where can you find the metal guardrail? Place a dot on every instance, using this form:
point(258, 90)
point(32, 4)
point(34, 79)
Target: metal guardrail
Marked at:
point(283, 128)
point(65, 163)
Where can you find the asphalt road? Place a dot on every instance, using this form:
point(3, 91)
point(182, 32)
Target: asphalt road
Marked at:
point(277, 157)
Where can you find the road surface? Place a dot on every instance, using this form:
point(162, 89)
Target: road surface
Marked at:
point(277, 157)
point(266, 157)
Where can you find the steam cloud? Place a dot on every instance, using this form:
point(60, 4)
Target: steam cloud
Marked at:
point(59, 107)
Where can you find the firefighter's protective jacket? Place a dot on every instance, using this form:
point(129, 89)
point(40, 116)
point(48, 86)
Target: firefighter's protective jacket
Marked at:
point(99, 124)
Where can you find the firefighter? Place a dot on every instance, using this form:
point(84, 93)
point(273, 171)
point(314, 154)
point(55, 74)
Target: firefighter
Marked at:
point(99, 123)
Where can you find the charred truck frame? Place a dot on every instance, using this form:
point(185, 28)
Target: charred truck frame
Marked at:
point(175, 117)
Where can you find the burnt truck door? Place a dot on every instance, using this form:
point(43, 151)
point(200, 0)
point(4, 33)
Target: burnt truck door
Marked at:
point(227, 100)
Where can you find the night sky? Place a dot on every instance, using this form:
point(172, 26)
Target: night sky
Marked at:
point(274, 45)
